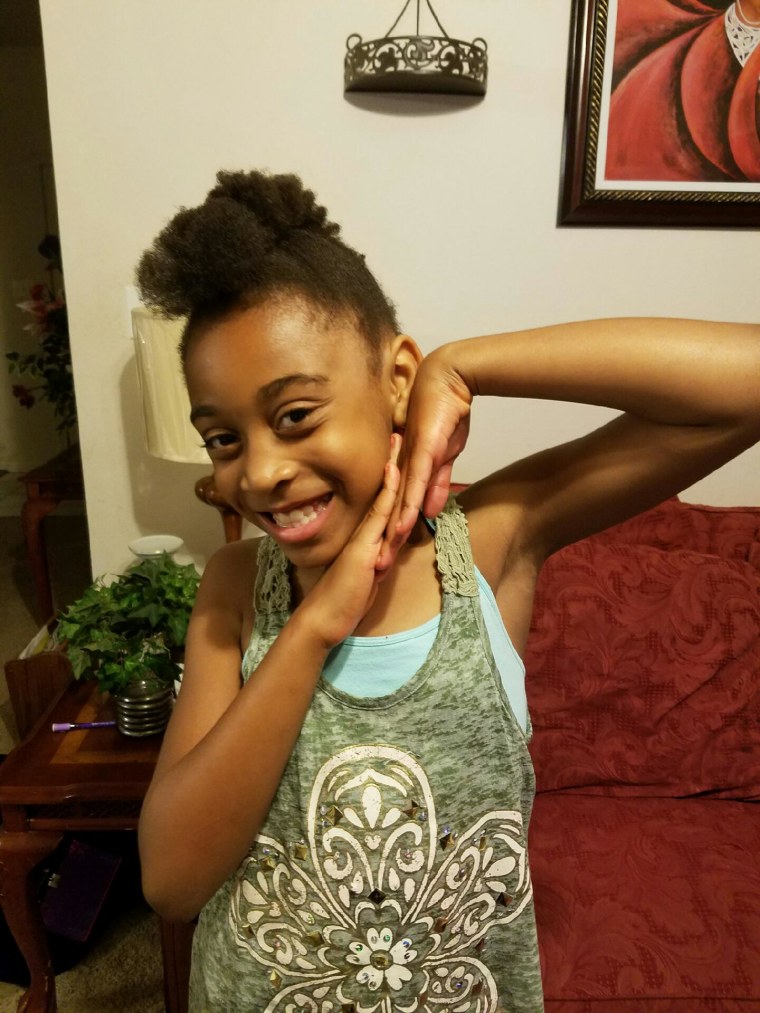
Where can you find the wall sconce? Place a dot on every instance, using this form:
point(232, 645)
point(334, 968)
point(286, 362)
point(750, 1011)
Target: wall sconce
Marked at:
point(416, 63)
point(166, 406)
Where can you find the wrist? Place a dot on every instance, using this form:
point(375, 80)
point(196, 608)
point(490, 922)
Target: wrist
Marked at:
point(491, 364)
point(304, 626)
point(454, 362)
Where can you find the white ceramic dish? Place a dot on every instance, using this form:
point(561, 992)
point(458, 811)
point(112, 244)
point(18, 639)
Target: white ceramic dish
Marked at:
point(154, 545)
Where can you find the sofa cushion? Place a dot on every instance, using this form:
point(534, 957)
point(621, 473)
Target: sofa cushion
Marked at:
point(731, 532)
point(643, 901)
point(642, 673)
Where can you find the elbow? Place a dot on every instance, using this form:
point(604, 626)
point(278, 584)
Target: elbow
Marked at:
point(165, 889)
point(169, 903)
point(748, 430)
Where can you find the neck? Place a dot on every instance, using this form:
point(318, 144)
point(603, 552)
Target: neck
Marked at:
point(303, 580)
point(749, 12)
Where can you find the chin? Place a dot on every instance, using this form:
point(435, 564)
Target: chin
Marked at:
point(311, 557)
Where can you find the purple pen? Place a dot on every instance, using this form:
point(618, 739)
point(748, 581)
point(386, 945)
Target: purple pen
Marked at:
point(68, 726)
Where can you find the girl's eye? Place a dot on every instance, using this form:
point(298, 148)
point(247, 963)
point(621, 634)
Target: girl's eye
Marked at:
point(293, 417)
point(219, 441)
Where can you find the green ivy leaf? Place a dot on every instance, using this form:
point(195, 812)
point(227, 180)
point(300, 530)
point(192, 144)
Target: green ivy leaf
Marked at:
point(136, 623)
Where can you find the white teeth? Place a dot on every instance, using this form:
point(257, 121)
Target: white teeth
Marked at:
point(297, 518)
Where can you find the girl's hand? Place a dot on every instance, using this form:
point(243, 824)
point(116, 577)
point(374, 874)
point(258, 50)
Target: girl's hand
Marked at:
point(437, 427)
point(345, 592)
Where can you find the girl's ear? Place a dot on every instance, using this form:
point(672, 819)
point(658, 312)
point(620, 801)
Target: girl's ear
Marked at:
point(404, 359)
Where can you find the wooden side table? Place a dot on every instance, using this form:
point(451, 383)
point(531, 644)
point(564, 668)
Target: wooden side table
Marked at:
point(79, 780)
point(58, 479)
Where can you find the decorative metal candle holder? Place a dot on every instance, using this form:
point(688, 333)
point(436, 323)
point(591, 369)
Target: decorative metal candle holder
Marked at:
point(416, 63)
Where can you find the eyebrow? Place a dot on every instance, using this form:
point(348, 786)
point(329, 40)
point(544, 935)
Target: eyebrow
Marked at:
point(202, 411)
point(267, 392)
point(275, 387)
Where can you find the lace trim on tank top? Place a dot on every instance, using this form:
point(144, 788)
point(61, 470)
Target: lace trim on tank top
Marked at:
point(272, 592)
point(455, 562)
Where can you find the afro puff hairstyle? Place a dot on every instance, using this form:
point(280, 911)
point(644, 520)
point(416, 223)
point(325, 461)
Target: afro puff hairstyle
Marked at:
point(256, 236)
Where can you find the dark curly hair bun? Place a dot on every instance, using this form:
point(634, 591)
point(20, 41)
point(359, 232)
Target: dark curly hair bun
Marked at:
point(215, 251)
point(280, 203)
point(254, 235)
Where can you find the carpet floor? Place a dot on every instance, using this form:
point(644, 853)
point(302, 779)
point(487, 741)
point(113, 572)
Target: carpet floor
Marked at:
point(121, 971)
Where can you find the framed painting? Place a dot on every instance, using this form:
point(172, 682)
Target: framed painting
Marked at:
point(662, 114)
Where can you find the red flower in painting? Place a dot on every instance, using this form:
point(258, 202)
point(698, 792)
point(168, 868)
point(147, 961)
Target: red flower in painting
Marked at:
point(684, 103)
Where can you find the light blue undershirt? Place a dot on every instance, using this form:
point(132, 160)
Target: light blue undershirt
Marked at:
point(377, 666)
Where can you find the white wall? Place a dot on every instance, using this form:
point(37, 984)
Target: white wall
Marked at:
point(455, 208)
point(27, 436)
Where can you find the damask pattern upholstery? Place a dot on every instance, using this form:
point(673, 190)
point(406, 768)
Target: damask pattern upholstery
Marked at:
point(644, 690)
point(646, 899)
point(728, 532)
point(643, 673)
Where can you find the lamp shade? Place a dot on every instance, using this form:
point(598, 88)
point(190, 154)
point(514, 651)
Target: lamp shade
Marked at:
point(165, 404)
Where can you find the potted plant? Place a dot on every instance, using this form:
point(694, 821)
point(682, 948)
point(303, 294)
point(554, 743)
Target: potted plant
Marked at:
point(129, 635)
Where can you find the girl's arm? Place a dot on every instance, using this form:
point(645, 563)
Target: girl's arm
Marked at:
point(226, 748)
point(689, 391)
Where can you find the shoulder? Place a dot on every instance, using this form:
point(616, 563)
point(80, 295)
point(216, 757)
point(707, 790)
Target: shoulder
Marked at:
point(236, 560)
point(231, 571)
point(227, 586)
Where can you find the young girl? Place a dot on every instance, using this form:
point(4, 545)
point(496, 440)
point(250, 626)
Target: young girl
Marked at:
point(344, 790)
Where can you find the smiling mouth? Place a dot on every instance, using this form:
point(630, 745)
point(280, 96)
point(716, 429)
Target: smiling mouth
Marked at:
point(302, 514)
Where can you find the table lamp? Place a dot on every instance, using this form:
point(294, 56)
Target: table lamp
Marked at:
point(166, 406)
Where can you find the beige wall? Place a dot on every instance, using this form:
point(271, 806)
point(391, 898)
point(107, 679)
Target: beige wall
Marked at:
point(455, 208)
point(27, 437)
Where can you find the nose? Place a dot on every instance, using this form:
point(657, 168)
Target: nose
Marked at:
point(266, 466)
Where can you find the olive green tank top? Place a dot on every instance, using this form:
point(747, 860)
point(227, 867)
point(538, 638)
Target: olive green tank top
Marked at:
point(391, 873)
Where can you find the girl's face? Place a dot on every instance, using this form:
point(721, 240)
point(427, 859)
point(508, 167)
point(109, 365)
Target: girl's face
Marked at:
point(296, 422)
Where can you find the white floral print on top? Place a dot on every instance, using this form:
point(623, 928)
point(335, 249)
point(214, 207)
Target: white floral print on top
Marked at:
point(380, 908)
point(381, 960)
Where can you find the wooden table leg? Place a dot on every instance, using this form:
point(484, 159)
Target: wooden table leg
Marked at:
point(176, 947)
point(20, 852)
point(33, 512)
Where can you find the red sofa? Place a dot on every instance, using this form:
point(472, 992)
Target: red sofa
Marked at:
point(644, 690)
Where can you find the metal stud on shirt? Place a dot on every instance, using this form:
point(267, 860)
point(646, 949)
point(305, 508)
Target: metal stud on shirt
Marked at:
point(275, 980)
